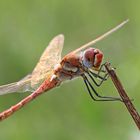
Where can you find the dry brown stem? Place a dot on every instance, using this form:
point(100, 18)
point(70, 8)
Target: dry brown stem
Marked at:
point(132, 110)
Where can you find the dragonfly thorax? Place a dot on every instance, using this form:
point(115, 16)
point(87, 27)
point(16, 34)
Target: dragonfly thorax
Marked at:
point(92, 58)
point(69, 67)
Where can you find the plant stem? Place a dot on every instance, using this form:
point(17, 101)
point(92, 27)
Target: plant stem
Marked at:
point(132, 110)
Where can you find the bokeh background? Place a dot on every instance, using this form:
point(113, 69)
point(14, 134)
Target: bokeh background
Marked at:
point(68, 113)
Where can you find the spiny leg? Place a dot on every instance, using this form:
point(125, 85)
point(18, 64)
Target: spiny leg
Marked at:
point(102, 69)
point(102, 79)
point(88, 85)
point(107, 97)
point(96, 75)
point(90, 91)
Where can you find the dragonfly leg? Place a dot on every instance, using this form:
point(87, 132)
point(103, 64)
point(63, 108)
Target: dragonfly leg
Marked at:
point(102, 79)
point(101, 98)
point(96, 75)
point(102, 69)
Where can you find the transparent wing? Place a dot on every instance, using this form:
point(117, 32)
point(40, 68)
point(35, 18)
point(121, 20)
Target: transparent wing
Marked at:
point(21, 86)
point(50, 57)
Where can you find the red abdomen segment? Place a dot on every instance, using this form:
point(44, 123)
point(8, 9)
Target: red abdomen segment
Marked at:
point(45, 86)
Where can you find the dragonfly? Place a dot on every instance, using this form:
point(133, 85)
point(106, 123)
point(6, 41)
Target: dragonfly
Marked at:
point(52, 70)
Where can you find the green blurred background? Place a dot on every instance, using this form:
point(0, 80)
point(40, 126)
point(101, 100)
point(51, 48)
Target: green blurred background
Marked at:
point(68, 113)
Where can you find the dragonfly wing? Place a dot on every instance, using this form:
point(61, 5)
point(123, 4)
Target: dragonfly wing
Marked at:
point(50, 57)
point(21, 86)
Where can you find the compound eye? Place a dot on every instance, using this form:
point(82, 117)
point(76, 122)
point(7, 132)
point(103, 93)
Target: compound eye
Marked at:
point(96, 51)
point(88, 57)
point(89, 54)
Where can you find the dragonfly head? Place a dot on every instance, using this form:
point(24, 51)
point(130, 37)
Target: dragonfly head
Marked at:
point(92, 58)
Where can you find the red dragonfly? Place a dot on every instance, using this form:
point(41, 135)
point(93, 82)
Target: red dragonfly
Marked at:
point(51, 71)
